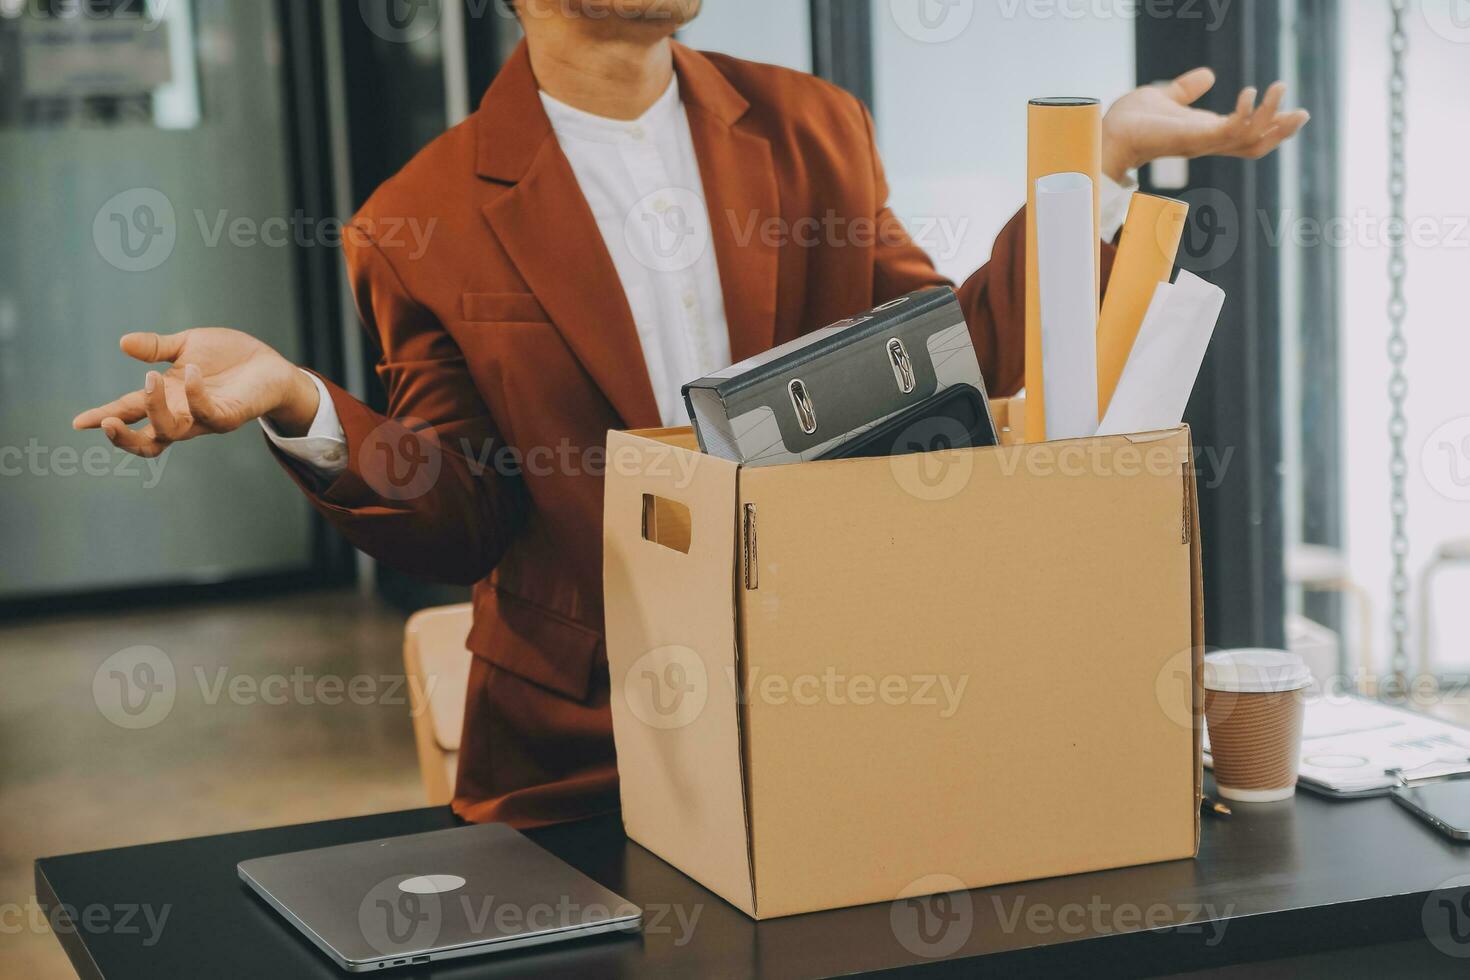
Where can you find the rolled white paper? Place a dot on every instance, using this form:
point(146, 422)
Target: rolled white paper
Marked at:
point(1066, 273)
point(1159, 375)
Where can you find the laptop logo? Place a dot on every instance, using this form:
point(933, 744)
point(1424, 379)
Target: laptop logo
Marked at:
point(431, 884)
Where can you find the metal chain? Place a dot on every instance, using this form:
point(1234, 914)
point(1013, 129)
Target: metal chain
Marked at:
point(1398, 349)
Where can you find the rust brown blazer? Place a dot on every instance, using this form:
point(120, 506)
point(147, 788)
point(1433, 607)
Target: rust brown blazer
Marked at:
point(508, 351)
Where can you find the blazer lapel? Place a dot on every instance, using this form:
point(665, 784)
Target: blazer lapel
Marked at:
point(741, 195)
point(549, 232)
point(547, 229)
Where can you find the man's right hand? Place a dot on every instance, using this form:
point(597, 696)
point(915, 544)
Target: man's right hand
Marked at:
point(218, 380)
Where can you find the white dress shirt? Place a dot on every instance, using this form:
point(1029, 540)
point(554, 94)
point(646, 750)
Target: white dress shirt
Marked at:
point(641, 180)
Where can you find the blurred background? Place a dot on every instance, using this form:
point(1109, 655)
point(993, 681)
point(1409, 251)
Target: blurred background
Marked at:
point(175, 163)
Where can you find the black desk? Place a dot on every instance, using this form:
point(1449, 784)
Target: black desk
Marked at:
point(1286, 880)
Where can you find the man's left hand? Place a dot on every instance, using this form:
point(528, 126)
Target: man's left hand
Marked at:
point(1156, 121)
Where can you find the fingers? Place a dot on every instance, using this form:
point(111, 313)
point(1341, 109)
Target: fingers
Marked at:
point(1265, 114)
point(139, 442)
point(1187, 88)
point(200, 404)
point(168, 414)
point(1289, 123)
point(1286, 126)
point(1244, 103)
point(153, 348)
point(129, 409)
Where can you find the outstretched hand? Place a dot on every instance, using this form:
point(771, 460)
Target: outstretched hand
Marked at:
point(218, 380)
point(1158, 120)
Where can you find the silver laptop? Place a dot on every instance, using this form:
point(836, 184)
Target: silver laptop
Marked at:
point(435, 896)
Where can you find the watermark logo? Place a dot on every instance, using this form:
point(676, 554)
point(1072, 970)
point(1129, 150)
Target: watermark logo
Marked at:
point(923, 469)
point(400, 21)
point(1445, 459)
point(1174, 687)
point(667, 687)
point(143, 923)
point(135, 688)
point(394, 919)
point(932, 21)
point(933, 916)
point(1211, 229)
point(1446, 917)
point(401, 458)
point(135, 230)
point(667, 230)
point(1449, 19)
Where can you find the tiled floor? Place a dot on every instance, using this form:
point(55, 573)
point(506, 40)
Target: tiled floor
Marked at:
point(258, 734)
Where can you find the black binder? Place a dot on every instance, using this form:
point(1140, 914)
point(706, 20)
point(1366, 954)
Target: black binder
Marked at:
point(956, 418)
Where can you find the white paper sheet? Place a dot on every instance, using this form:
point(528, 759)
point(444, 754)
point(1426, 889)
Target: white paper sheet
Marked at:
point(1166, 357)
point(1066, 253)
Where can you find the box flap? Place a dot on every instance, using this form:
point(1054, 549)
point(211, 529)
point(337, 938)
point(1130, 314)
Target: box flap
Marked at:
point(670, 622)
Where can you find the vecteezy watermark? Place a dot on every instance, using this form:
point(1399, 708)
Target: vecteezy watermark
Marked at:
point(1205, 15)
point(404, 913)
point(401, 458)
point(400, 21)
point(1449, 19)
point(667, 687)
point(1446, 917)
point(36, 459)
point(95, 919)
point(135, 687)
point(670, 686)
point(667, 230)
point(147, 13)
point(932, 21)
point(1365, 229)
point(933, 916)
point(135, 230)
point(1445, 459)
point(1097, 915)
point(395, 919)
point(942, 236)
point(139, 687)
point(138, 230)
point(928, 472)
point(1212, 229)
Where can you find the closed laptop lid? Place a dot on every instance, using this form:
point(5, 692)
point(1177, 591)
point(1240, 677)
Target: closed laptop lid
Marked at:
point(473, 886)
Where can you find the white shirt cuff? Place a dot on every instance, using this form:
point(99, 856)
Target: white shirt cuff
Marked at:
point(1113, 199)
point(324, 447)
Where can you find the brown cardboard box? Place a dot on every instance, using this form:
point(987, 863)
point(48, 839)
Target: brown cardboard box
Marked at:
point(841, 682)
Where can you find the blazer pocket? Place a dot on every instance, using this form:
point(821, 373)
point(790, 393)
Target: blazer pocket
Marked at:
point(535, 644)
point(504, 308)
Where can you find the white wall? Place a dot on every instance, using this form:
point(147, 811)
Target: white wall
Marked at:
point(951, 95)
point(1438, 294)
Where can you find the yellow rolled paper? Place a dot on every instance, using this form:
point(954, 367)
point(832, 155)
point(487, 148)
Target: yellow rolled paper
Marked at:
point(1145, 258)
point(1062, 135)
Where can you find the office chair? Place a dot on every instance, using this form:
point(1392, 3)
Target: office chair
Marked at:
point(437, 665)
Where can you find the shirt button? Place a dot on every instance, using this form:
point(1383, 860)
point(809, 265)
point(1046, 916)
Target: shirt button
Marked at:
point(689, 301)
point(332, 455)
point(636, 132)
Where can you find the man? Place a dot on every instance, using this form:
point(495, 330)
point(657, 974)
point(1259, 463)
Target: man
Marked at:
point(614, 220)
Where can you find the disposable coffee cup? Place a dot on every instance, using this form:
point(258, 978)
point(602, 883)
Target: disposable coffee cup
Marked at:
point(1254, 704)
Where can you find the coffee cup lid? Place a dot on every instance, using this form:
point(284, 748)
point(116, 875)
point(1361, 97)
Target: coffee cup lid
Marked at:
point(1255, 671)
